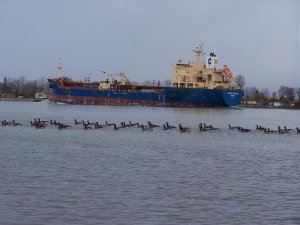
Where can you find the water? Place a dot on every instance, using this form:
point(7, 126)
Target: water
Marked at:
point(77, 176)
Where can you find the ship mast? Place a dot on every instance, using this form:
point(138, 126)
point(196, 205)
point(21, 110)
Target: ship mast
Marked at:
point(198, 53)
point(59, 67)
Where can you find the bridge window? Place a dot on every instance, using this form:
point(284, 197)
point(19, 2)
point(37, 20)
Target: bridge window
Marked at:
point(209, 77)
point(199, 79)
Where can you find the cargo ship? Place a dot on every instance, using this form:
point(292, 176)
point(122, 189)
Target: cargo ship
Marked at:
point(192, 84)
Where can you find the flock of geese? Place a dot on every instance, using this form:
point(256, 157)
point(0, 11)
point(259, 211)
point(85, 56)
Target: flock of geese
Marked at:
point(41, 124)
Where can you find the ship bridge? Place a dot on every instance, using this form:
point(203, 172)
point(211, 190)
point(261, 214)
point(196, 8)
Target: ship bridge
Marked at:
point(198, 75)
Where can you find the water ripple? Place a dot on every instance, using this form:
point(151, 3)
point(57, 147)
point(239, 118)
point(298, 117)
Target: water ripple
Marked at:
point(133, 177)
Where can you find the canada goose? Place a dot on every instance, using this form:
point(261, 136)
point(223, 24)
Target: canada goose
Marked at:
point(98, 126)
point(138, 125)
point(260, 128)
point(52, 122)
point(6, 123)
point(267, 130)
point(145, 128)
point(282, 131)
point(76, 122)
point(89, 123)
point(184, 129)
point(123, 125)
point(287, 129)
point(63, 126)
point(41, 121)
point(207, 126)
point(201, 128)
point(87, 126)
point(115, 127)
point(166, 127)
point(40, 125)
point(133, 124)
point(244, 129)
point(169, 126)
point(210, 127)
point(15, 124)
point(152, 125)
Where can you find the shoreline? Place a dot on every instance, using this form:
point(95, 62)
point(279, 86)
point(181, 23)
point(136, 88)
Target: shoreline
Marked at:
point(241, 105)
point(21, 100)
point(267, 107)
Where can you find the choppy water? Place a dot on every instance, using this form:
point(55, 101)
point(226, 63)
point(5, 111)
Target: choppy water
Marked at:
point(77, 176)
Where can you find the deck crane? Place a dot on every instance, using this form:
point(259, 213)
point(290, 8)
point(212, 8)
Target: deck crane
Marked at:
point(112, 77)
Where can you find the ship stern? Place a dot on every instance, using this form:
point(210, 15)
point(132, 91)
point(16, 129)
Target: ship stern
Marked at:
point(232, 97)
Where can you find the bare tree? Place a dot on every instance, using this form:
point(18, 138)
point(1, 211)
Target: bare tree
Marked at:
point(286, 95)
point(297, 93)
point(274, 96)
point(30, 89)
point(42, 85)
point(264, 96)
point(19, 87)
point(251, 94)
point(240, 81)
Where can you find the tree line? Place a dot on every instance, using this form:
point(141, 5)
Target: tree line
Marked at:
point(285, 96)
point(15, 87)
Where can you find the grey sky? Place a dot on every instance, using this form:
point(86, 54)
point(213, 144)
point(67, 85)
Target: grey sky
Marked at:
point(257, 38)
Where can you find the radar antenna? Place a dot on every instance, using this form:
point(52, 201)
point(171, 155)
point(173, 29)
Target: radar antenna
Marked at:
point(103, 73)
point(59, 67)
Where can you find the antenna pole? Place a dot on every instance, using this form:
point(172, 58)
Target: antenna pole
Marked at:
point(59, 67)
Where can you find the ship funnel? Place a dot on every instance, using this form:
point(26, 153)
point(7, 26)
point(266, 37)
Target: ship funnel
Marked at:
point(212, 61)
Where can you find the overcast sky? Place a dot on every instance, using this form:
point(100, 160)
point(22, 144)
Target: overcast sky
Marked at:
point(143, 38)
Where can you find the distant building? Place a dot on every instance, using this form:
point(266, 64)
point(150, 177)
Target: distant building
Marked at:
point(251, 102)
point(276, 104)
point(41, 95)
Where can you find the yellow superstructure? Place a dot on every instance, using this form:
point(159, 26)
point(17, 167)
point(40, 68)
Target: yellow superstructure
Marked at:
point(197, 75)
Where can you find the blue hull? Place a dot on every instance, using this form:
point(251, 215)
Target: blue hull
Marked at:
point(165, 97)
point(209, 97)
